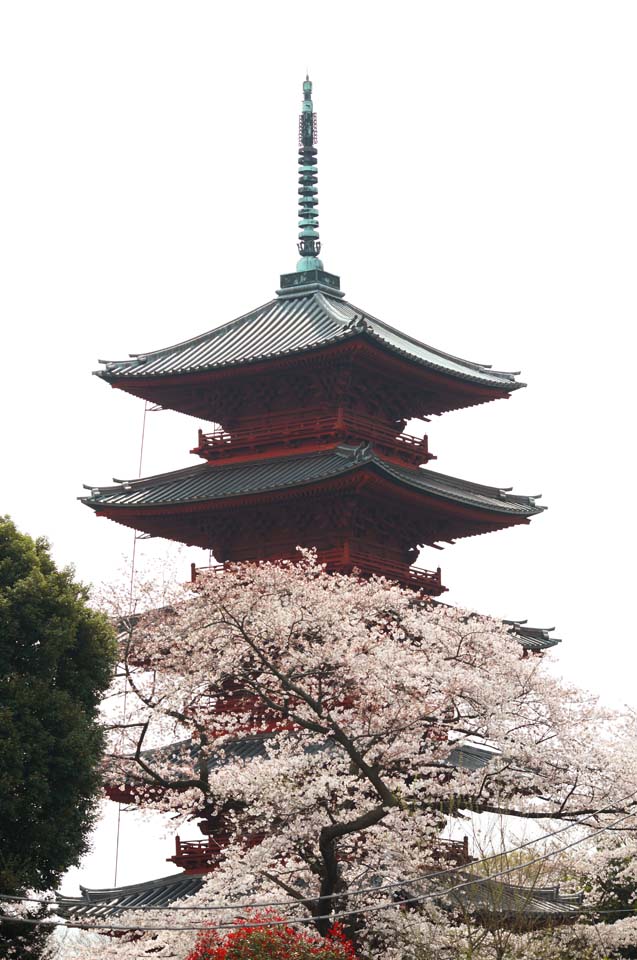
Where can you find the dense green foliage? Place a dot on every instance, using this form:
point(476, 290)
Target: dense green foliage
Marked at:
point(56, 660)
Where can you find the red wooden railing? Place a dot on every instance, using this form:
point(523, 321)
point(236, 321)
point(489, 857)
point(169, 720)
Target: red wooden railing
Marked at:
point(352, 556)
point(199, 856)
point(453, 850)
point(347, 558)
point(314, 428)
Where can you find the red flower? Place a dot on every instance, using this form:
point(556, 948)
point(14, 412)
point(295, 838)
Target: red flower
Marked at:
point(253, 941)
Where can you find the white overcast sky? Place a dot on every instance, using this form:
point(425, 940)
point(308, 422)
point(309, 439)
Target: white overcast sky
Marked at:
point(477, 187)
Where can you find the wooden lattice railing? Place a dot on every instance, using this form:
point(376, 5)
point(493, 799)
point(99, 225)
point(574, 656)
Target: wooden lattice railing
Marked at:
point(315, 428)
point(457, 850)
point(201, 856)
point(347, 558)
point(354, 556)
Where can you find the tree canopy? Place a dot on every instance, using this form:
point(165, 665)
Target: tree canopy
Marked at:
point(310, 722)
point(56, 660)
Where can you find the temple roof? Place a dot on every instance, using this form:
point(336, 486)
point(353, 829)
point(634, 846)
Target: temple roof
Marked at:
point(93, 904)
point(470, 756)
point(511, 900)
point(292, 324)
point(464, 755)
point(203, 483)
point(485, 896)
point(534, 639)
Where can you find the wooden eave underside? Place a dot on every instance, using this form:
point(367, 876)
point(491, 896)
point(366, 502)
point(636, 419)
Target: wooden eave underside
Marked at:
point(466, 520)
point(437, 391)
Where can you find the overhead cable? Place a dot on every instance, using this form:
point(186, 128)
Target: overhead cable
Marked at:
point(371, 908)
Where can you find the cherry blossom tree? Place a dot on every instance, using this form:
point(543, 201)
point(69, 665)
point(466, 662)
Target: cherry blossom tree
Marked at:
point(354, 694)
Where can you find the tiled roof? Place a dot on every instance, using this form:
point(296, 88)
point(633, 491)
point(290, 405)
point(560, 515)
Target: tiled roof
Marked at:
point(203, 482)
point(532, 638)
point(291, 325)
point(469, 756)
point(243, 748)
point(464, 756)
point(487, 896)
point(96, 904)
point(510, 900)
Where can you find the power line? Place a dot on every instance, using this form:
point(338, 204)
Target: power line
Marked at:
point(130, 608)
point(426, 877)
point(372, 908)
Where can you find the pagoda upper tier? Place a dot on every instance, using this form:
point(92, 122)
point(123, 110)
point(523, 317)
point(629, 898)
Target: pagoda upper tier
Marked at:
point(306, 349)
point(310, 397)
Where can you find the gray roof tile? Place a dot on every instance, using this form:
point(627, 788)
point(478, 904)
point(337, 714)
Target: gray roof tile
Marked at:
point(110, 901)
point(487, 896)
point(204, 482)
point(470, 756)
point(494, 897)
point(533, 639)
point(289, 325)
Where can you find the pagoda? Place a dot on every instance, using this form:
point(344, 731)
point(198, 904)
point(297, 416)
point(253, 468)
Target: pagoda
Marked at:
point(308, 397)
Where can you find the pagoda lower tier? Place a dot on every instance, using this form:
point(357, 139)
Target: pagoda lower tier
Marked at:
point(358, 509)
point(490, 901)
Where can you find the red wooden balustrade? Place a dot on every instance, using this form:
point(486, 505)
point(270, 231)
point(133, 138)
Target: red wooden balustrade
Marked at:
point(316, 429)
point(347, 558)
point(457, 850)
point(202, 856)
point(354, 556)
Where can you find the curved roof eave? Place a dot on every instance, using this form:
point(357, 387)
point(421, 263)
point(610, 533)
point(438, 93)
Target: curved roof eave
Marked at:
point(203, 483)
point(290, 326)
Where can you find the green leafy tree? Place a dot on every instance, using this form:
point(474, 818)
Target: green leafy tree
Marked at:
point(56, 660)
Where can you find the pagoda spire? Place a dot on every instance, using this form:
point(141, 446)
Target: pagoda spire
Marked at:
point(309, 244)
point(309, 276)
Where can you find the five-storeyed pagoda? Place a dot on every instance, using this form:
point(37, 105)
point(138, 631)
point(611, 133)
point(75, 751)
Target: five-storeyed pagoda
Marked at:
point(308, 397)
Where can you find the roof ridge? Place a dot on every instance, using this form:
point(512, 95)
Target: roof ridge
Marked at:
point(137, 481)
point(144, 355)
point(482, 367)
point(132, 887)
point(322, 464)
point(503, 492)
point(332, 304)
point(185, 471)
